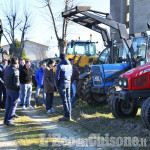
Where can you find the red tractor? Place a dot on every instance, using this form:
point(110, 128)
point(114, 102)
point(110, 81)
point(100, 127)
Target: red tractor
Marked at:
point(134, 93)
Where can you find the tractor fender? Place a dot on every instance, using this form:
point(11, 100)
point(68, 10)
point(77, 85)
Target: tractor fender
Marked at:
point(84, 75)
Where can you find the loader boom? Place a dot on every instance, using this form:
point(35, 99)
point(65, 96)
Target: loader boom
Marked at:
point(91, 19)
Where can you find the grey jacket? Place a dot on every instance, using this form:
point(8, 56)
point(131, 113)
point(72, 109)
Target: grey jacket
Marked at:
point(12, 78)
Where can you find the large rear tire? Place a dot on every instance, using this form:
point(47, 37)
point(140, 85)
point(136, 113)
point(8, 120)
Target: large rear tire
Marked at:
point(80, 88)
point(122, 108)
point(145, 113)
point(93, 99)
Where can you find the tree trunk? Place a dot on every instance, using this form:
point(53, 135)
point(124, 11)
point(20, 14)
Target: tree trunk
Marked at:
point(61, 44)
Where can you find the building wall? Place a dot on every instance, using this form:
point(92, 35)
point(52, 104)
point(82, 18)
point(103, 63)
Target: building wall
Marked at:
point(118, 11)
point(34, 51)
point(139, 15)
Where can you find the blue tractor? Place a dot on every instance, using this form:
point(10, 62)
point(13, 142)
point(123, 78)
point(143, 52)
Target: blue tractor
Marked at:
point(110, 45)
point(131, 53)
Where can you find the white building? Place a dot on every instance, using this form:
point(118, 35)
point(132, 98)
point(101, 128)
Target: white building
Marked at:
point(34, 51)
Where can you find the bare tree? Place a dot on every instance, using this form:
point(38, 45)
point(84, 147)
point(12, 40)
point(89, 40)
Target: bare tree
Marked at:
point(18, 22)
point(60, 36)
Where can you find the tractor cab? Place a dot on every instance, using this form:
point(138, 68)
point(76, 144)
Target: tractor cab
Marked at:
point(141, 48)
point(140, 43)
point(81, 48)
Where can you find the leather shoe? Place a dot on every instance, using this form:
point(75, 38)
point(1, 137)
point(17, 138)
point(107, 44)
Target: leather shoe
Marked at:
point(64, 119)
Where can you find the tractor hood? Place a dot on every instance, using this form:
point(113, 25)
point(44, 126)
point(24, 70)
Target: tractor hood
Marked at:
point(137, 71)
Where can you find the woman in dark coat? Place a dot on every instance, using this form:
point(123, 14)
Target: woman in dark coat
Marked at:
point(49, 85)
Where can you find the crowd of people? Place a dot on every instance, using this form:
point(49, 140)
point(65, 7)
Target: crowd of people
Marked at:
point(16, 83)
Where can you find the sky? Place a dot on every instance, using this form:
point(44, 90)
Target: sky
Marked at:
point(42, 31)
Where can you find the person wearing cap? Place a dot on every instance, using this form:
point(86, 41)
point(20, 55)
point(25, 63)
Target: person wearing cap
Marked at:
point(63, 80)
point(74, 79)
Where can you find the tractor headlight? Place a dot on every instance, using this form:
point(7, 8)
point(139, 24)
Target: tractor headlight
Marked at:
point(125, 83)
point(120, 82)
point(97, 78)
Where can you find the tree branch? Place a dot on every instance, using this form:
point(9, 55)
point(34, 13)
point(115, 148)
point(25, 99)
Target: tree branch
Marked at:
point(6, 39)
point(54, 24)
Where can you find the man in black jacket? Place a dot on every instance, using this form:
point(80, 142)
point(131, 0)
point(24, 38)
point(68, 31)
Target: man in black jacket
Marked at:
point(21, 65)
point(26, 80)
point(12, 91)
point(2, 87)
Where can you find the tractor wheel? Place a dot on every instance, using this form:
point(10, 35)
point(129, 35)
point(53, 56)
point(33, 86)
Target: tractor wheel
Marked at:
point(122, 108)
point(80, 88)
point(112, 89)
point(145, 112)
point(93, 99)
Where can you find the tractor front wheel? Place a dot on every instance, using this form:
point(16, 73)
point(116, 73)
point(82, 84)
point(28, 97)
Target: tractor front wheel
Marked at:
point(123, 108)
point(93, 99)
point(145, 112)
point(112, 89)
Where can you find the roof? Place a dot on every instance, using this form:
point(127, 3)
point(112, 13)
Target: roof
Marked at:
point(30, 42)
point(36, 43)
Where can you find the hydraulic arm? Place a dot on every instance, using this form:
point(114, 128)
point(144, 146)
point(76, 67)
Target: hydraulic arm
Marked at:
point(91, 19)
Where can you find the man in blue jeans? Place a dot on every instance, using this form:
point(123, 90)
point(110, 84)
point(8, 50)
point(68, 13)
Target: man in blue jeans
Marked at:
point(74, 79)
point(40, 84)
point(63, 80)
point(12, 91)
point(26, 81)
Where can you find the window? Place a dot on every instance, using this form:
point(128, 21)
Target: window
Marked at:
point(69, 49)
point(92, 48)
point(139, 45)
point(80, 48)
point(104, 56)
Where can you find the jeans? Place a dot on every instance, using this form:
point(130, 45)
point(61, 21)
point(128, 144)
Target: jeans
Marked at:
point(11, 104)
point(26, 94)
point(49, 100)
point(64, 91)
point(20, 93)
point(2, 91)
point(37, 94)
point(74, 90)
